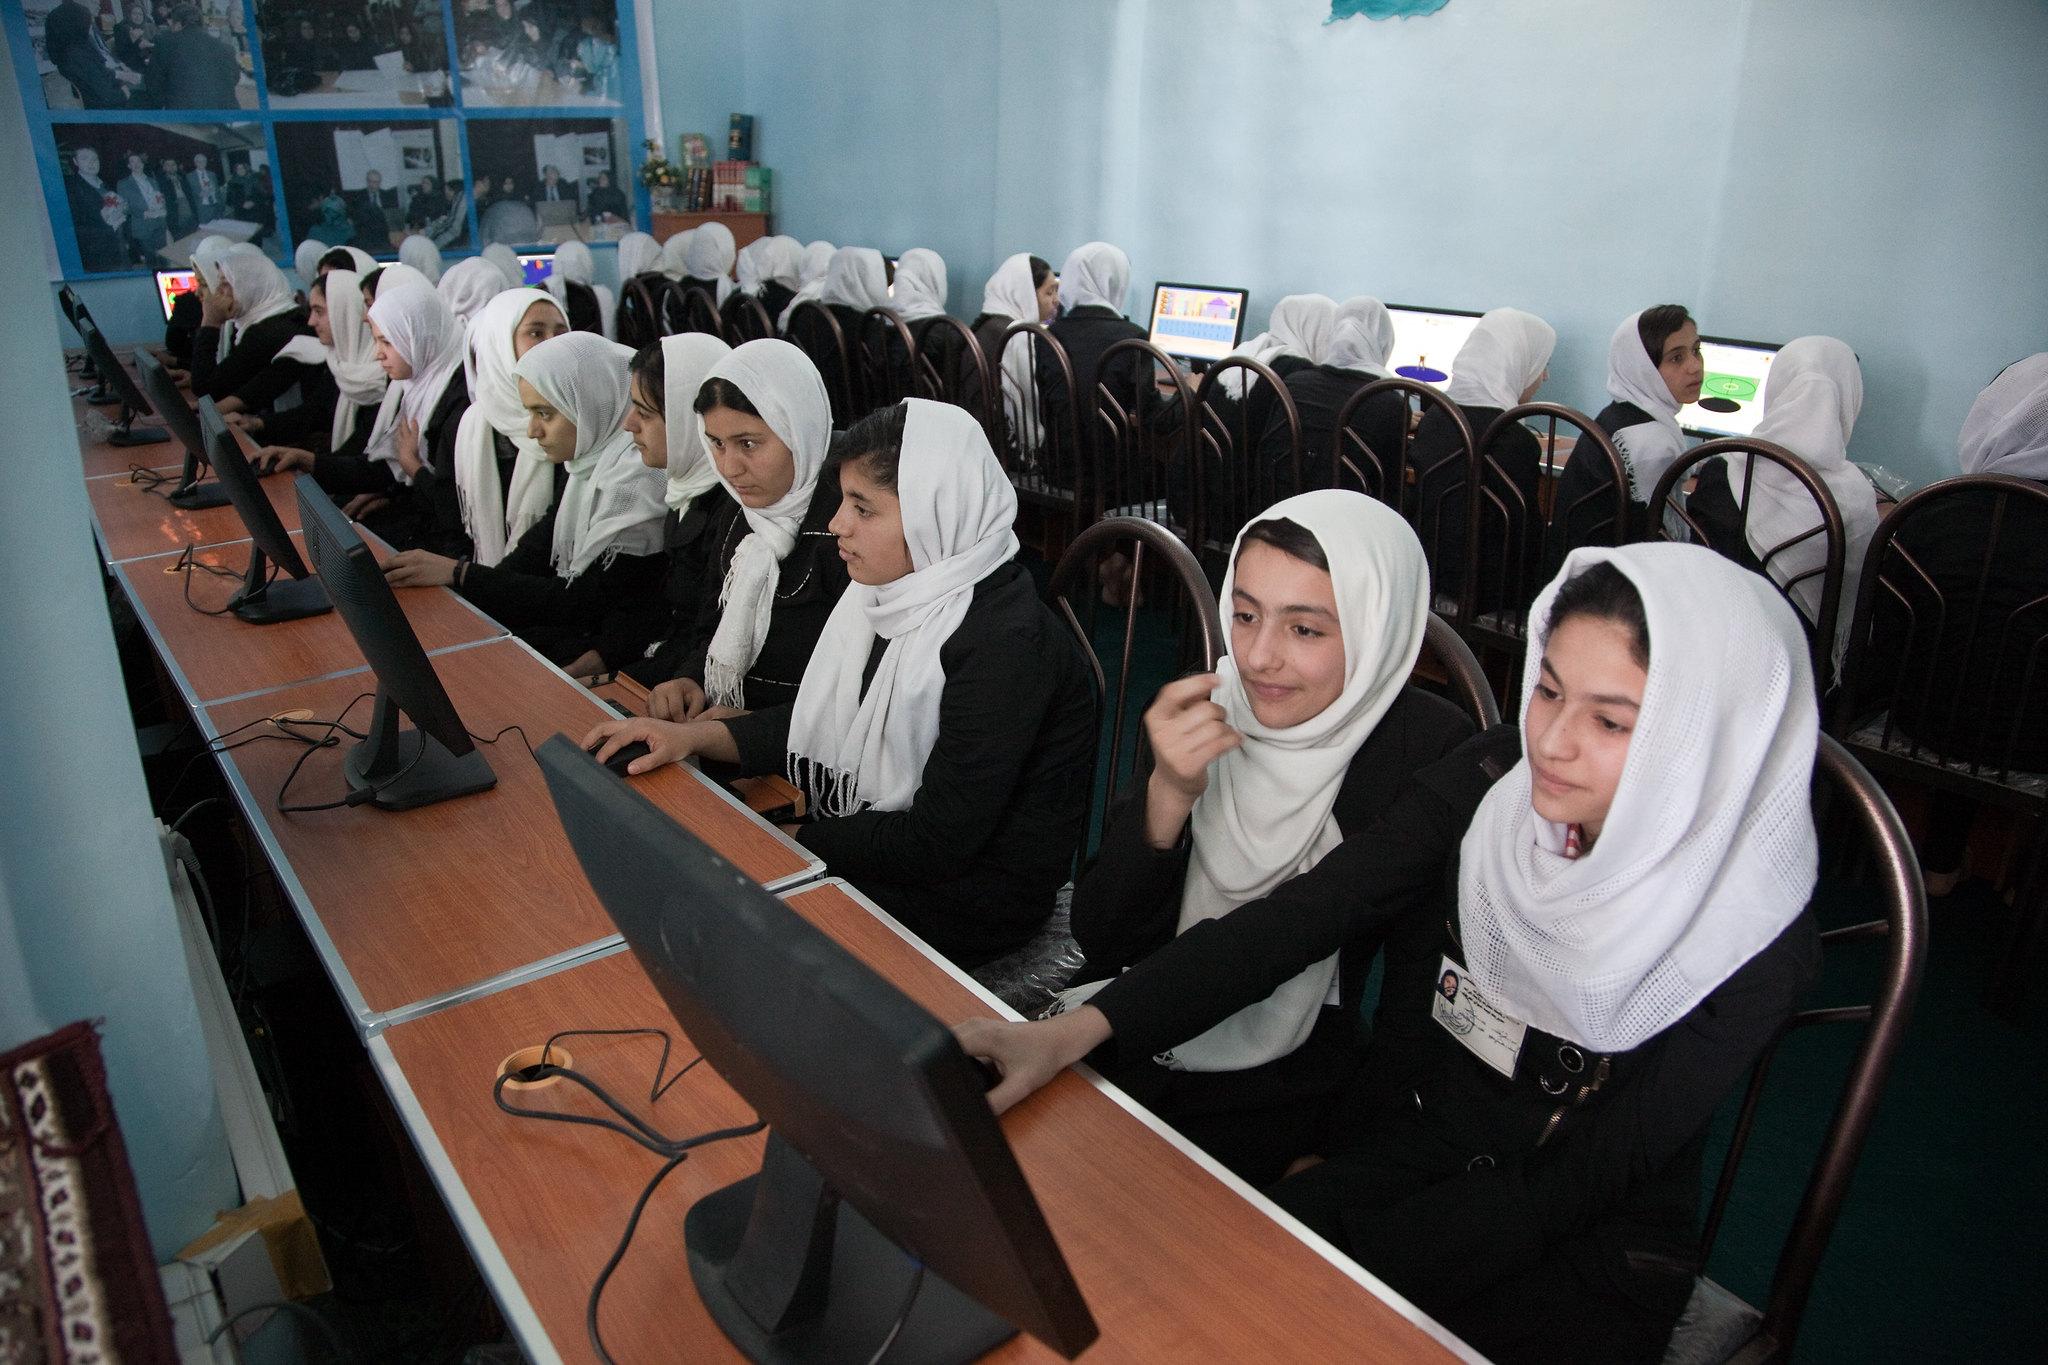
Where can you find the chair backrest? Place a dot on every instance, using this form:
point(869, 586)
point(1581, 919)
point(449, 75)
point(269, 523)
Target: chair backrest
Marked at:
point(1536, 533)
point(749, 321)
point(1733, 540)
point(669, 303)
point(1184, 635)
point(1848, 797)
point(1436, 500)
point(1949, 640)
point(1445, 652)
point(948, 367)
point(1353, 460)
point(638, 323)
point(814, 331)
point(1131, 469)
point(1043, 435)
point(700, 312)
point(1238, 476)
point(882, 351)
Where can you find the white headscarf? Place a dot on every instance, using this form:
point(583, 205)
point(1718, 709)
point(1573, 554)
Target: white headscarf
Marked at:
point(710, 257)
point(494, 518)
point(206, 258)
point(612, 502)
point(1362, 338)
point(857, 278)
point(638, 254)
point(1095, 275)
point(851, 752)
point(422, 255)
point(786, 388)
point(507, 261)
point(687, 360)
point(920, 285)
point(783, 262)
point(1811, 399)
point(1708, 851)
point(353, 357)
point(749, 266)
point(261, 290)
point(2007, 429)
point(1300, 326)
point(1267, 815)
point(428, 337)
point(469, 284)
point(1506, 352)
point(306, 260)
point(398, 275)
point(1011, 294)
point(814, 265)
point(574, 265)
point(365, 263)
point(675, 251)
point(1649, 448)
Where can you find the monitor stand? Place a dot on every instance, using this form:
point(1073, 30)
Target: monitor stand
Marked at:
point(137, 436)
point(790, 1273)
point(411, 768)
point(191, 494)
point(264, 603)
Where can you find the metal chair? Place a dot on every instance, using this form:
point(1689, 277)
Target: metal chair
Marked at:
point(1717, 1326)
point(815, 332)
point(1436, 500)
point(1524, 533)
point(1946, 681)
point(1354, 461)
point(947, 366)
point(638, 321)
point(749, 322)
point(1131, 469)
point(1449, 663)
point(1234, 475)
point(882, 371)
point(700, 312)
point(1732, 540)
point(1041, 448)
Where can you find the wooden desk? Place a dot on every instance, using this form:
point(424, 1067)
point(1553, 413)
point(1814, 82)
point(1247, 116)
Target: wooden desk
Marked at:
point(411, 911)
point(1177, 1259)
point(104, 460)
point(216, 657)
point(134, 521)
point(746, 227)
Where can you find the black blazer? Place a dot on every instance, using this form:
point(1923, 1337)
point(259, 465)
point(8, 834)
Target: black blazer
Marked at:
point(191, 69)
point(684, 587)
point(1320, 393)
point(973, 865)
point(254, 350)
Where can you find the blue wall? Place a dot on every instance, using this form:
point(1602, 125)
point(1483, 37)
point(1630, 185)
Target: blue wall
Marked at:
point(1871, 169)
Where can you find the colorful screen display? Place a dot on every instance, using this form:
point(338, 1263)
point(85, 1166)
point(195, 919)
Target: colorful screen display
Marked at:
point(1732, 394)
point(170, 284)
point(538, 265)
point(1427, 340)
point(1197, 321)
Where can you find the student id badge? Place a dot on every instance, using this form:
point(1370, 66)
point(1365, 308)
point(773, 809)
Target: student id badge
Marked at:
point(1488, 1032)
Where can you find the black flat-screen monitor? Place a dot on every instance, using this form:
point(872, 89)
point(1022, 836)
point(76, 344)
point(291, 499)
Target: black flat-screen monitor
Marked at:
point(1201, 323)
point(883, 1154)
point(170, 284)
point(1427, 341)
point(401, 768)
point(1731, 400)
point(74, 310)
point(114, 378)
point(260, 602)
point(184, 428)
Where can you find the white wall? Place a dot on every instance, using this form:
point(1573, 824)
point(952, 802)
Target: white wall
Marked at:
point(1872, 169)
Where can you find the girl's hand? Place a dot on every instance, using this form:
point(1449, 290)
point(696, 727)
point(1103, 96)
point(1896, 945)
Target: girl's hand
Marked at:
point(1188, 732)
point(666, 743)
point(1030, 1054)
point(407, 439)
point(419, 569)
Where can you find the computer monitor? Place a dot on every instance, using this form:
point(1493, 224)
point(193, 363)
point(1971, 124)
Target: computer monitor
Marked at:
point(170, 284)
point(882, 1153)
point(184, 428)
point(402, 768)
point(536, 266)
point(73, 308)
point(1200, 323)
point(115, 377)
point(1732, 393)
point(260, 602)
point(1427, 340)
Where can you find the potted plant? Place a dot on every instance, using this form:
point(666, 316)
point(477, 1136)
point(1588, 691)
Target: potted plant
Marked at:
point(662, 177)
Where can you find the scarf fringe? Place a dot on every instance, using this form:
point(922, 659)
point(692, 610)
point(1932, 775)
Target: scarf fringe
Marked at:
point(828, 792)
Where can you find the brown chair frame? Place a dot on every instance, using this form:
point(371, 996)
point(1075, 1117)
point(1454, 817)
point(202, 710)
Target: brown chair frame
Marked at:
point(700, 312)
point(1245, 492)
point(878, 381)
point(968, 386)
point(812, 319)
point(1027, 470)
point(1837, 775)
point(637, 291)
point(1463, 676)
point(749, 322)
point(1129, 465)
point(1385, 485)
point(1821, 632)
point(1455, 608)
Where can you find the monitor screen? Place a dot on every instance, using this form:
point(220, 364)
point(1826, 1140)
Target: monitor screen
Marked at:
point(1197, 321)
point(1732, 392)
point(170, 405)
point(861, 1087)
point(170, 284)
point(1426, 341)
point(537, 265)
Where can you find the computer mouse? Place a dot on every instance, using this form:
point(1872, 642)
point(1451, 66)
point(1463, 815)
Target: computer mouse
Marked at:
point(626, 754)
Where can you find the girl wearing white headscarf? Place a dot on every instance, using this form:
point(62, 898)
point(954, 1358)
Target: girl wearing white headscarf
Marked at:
point(507, 261)
point(306, 260)
point(666, 378)
point(708, 261)
point(1592, 929)
point(468, 285)
point(252, 293)
point(1296, 335)
point(410, 455)
point(2007, 429)
point(814, 263)
point(675, 254)
point(920, 286)
point(576, 583)
point(1093, 284)
point(504, 482)
point(590, 306)
point(1501, 365)
point(206, 264)
point(770, 271)
point(1355, 355)
point(334, 415)
point(638, 254)
point(348, 258)
point(942, 731)
point(1022, 289)
point(767, 424)
point(397, 275)
point(857, 280)
point(422, 255)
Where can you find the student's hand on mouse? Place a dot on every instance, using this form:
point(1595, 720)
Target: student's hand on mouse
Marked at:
point(363, 505)
point(1188, 732)
point(666, 743)
point(244, 421)
point(419, 569)
point(1030, 1054)
point(281, 459)
point(676, 699)
point(585, 666)
point(406, 438)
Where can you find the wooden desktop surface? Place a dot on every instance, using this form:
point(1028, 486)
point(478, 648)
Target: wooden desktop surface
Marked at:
point(136, 521)
point(102, 459)
point(224, 656)
point(1173, 1263)
point(424, 902)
